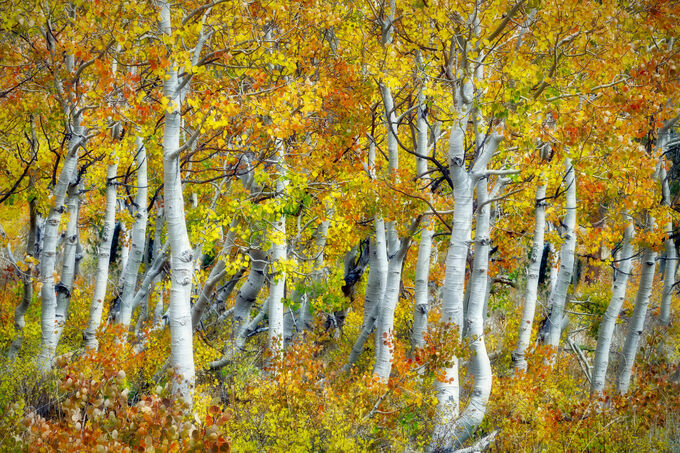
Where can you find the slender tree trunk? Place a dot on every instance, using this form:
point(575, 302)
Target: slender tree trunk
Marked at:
point(158, 231)
point(385, 322)
point(70, 260)
point(377, 272)
point(247, 295)
point(103, 261)
point(217, 273)
point(480, 366)
point(49, 250)
point(131, 270)
point(421, 291)
point(606, 332)
point(151, 277)
point(533, 272)
point(278, 285)
point(124, 241)
point(318, 273)
point(637, 322)
point(22, 308)
point(378, 267)
point(671, 255)
point(558, 296)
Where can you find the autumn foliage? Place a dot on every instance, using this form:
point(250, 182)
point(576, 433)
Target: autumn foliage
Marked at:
point(321, 225)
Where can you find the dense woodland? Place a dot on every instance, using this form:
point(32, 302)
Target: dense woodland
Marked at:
point(320, 225)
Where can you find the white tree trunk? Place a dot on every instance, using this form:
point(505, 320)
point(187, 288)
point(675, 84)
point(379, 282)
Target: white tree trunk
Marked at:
point(278, 285)
point(22, 308)
point(217, 273)
point(474, 325)
point(247, 295)
point(124, 241)
point(554, 263)
point(421, 291)
point(104, 256)
point(377, 272)
point(558, 296)
point(637, 322)
point(131, 270)
point(69, 263)
point(606, 332)
point(533, 274)
point(453, 291)
point(181, 333)
point(151, 277)
point(378, 268)
point(385, 323)
point(49, 249)
point(671, 254)
point(317, 274)
point(158, 230)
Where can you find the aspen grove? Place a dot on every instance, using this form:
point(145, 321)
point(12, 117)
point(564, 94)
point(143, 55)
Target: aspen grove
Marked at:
point(320, 225)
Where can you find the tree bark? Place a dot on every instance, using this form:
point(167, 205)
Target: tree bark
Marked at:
point(131, 270)
point(606, 332)
point(453, 291)
point(103, 261)
point(70, 260)
point(276, 293)
point(480, 366)
point(49, 249)
point(671, 254)
point(421, 291)
point(378, 267)
point(637, 322)
point(530, 296)
point(22, 308)
point(217, 273)
point(558, 296)
point(385, 322)
point(181, 334)
point(157, 238)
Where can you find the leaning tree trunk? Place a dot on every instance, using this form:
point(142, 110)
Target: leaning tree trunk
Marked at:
point(131, 270)
point(157, 237)
point(217, 273)
point(606, 332)
point(637, 322)
point(248, 293)
point(103, 261)
point(558, 296)
point(533, 275)
point(49, 250)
